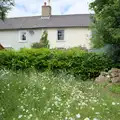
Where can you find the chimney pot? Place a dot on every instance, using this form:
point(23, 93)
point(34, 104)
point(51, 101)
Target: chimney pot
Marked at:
point(45, 4)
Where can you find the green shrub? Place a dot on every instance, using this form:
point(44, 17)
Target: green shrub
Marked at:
point(44, 43)
point(36, 45)
point(79, 63)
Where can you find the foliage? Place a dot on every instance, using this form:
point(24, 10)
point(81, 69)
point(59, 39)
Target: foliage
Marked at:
point(106, 26)
point(113, 52)
point(115, 88)
point(79, 48)
point(44, 43)
point(43, 96)
point(77, 62)
point(36, 45)
point(5, 6)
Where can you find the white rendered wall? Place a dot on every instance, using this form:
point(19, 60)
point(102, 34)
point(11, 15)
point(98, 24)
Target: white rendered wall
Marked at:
point(73, 37)
point(12, 39)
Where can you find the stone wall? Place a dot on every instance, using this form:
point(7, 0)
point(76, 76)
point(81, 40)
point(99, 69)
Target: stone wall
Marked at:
point(112, 76)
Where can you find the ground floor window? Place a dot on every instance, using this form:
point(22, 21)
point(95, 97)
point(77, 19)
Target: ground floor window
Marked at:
point(23, 36)
point(60, 34)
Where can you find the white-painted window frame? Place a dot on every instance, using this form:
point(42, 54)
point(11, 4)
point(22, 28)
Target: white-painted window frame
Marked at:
point(63, 36)
point(20, 40)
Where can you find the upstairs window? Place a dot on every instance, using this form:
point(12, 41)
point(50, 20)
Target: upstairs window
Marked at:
point(60, 34)
point(23, 36)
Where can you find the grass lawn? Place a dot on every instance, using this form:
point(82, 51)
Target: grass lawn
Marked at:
point(43, 96)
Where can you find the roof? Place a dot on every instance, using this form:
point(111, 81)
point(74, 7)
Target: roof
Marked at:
point(55, 21)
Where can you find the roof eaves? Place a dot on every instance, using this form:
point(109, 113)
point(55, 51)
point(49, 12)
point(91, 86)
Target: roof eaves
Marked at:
point(44, 27)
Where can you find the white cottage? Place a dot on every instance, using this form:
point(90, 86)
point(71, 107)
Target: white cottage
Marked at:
point(64, 31)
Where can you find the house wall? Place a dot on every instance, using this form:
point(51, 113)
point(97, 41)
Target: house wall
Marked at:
point(73, 37)
point(12, 39)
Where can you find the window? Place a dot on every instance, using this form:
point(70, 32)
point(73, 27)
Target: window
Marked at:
point(23, 36)
point(60, 34)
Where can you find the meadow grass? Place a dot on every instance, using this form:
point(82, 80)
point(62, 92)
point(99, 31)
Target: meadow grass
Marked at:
point(115, 88)
point(44, 96)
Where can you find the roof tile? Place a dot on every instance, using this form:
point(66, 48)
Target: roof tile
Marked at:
point(78, 20)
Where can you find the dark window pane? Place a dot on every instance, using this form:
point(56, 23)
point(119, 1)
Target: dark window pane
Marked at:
point(60, 34)
point(23, 36)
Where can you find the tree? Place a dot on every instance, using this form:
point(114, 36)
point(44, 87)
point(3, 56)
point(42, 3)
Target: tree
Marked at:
point(106, 28)
point(44, 40)
point(44, 43)
point(5, 6)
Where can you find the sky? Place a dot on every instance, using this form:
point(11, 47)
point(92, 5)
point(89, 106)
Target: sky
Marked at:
point(59, 7)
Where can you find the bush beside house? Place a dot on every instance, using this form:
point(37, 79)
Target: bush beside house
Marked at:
point(44, 43)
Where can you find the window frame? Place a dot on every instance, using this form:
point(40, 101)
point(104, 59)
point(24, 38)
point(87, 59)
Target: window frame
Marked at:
point(63, 33)
point(20, 34)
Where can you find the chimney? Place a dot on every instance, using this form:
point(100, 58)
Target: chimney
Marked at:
point(46, 10)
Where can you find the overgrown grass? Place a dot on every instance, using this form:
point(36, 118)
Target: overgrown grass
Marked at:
point(43, 96)
point(115, 88)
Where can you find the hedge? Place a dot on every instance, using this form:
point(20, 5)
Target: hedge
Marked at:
point(77, 62)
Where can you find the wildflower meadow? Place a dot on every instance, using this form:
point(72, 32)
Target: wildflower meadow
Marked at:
point(45, 96)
